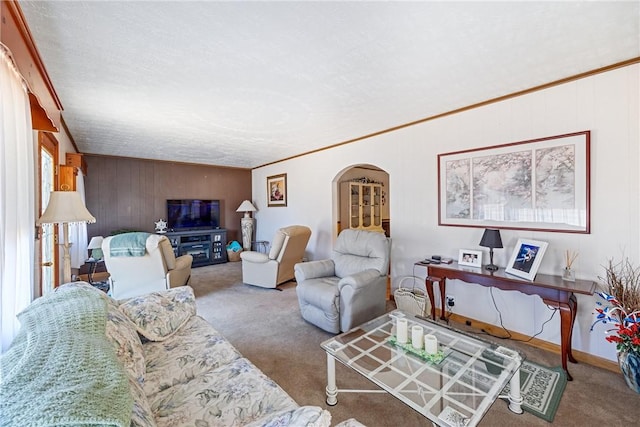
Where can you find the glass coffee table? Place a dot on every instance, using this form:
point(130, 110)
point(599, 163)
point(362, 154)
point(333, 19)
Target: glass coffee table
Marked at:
point(454, 387)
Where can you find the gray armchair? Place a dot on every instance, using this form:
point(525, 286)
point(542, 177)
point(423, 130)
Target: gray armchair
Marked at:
point(348, 289)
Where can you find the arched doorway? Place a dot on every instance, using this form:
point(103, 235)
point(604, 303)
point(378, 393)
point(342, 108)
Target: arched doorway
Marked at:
point(363, 174)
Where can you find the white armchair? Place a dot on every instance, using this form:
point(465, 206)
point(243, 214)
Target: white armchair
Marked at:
point(140, 263)
point(276, 267)
point(350, 288)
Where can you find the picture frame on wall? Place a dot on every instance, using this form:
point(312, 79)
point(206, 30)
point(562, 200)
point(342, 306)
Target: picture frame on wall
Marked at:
point(526, 258)
point(541, 184)
point(277, 190)
point(470, 258)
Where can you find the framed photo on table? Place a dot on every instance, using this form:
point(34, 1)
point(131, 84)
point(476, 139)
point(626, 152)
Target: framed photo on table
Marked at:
point(526, 258)
point(277, 190)
point(470, 258)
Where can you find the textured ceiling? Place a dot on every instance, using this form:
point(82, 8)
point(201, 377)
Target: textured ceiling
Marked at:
point(248, 83)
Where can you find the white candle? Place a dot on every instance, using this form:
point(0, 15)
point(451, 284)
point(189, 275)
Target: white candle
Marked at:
point(402, 331)
point(416, 337)
point(430, 344)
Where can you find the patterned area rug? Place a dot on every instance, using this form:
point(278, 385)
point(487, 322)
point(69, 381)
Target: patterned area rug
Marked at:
point(541, 388)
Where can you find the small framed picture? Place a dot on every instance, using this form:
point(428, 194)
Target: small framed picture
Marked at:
point(277, 190)
point(470, 258)
point(526, 258)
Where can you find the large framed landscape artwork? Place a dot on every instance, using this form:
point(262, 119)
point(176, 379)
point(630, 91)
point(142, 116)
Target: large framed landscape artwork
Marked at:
point(539, 184)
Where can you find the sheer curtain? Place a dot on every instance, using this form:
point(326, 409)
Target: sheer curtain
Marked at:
point(78, 231)
point(17, 198)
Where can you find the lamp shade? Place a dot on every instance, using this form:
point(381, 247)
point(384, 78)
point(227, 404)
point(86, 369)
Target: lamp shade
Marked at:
point(246, 206)
point(491, 239)
point(65, 207)
point(96, 242)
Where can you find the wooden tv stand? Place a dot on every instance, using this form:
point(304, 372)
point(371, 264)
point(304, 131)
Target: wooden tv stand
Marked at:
point(552, 289)
point(206, 246)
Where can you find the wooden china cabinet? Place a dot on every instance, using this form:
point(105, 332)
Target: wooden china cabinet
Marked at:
point(361, 206)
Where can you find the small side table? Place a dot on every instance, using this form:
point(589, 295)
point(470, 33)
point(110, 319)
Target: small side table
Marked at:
point(551, 289)
point(103, 286)
point(93, 264)
point(261, 246)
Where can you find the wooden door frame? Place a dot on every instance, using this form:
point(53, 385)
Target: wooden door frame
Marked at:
point(47, 141)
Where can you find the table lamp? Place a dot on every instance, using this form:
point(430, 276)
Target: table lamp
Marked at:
point(66, 207)
point(96, 247)
point(491, 239)
point(247, 223)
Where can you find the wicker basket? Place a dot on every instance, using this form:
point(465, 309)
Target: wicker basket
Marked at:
point(410, 299)
point(233, 256)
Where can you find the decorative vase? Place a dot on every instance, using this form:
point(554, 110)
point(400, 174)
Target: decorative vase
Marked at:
point(568, 275)
point(630, 367)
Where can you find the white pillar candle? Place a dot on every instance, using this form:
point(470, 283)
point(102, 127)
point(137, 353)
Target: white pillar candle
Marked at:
point(402, 331)
point(416, 336)
point(430, 344)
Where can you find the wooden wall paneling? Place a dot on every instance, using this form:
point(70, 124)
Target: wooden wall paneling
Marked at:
point(122, 210)
point(164, 178)
point(139, 199)
point(109, 204)
point(132, 193)
point(147, 212)
point(102, 193)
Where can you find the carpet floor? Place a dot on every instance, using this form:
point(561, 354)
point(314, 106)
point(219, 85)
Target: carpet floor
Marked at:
point(266, 327)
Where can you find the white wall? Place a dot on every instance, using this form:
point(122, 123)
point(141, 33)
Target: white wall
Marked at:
point(606, 104)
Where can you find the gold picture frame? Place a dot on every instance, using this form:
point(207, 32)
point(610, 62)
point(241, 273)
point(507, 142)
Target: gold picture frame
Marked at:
point(277, 190)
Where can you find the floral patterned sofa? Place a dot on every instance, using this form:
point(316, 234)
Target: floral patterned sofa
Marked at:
point(169, 368)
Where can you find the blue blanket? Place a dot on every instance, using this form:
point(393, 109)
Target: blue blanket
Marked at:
point(129, 244)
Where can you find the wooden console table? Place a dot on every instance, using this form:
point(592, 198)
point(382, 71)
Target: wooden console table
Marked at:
point(552, 289)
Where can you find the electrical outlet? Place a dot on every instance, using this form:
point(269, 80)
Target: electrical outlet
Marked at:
point(451, 301)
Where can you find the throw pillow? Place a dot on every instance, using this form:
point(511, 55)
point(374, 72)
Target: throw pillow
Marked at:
point(159, 315)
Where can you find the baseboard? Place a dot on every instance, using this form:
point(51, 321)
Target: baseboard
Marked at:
point(580, 356)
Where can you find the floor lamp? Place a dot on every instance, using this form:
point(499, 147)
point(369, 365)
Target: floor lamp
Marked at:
point(65, 207)
point(247, 223)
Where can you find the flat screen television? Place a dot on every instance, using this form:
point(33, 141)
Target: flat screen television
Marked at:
point(192, 214)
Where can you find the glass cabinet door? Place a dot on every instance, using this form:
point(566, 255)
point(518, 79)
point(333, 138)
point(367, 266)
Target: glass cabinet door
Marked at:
point(354, 192)
point(377, 206)
point(367, 198)
point(361, 206)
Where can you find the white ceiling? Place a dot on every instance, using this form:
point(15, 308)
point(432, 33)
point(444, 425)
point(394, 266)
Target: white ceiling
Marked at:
point(248, 83)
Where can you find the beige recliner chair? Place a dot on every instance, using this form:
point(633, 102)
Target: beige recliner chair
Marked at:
point(276, 267)
point(140, 263)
